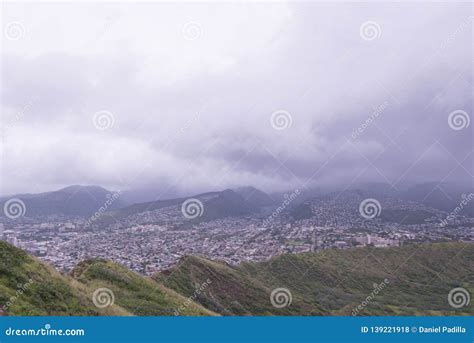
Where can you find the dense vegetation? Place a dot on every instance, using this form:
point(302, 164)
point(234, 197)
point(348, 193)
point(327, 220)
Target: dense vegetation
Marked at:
point(30, 287)
point(336, 281)
point(137, 294)
point(416, 280)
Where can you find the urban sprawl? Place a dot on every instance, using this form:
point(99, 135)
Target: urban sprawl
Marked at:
point(155, 240)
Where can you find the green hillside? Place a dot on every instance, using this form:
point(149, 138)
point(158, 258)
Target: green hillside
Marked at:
point(137, 294)
point(335, 282)
point(231, 291)
point(30, 287)
point(410, 280)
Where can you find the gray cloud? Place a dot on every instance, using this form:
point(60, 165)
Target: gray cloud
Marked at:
point(195, 114)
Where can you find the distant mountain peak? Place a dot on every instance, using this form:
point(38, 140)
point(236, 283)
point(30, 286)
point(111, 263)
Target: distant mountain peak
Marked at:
point(254, 196)
point(78, 188)
point(71, 200)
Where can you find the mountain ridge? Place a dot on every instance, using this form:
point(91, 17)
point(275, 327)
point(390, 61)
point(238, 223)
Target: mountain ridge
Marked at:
point(72, 200)
point(85, 200)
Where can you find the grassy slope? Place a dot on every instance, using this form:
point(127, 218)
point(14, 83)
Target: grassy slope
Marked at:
point(49, 292)
point(231, 290)
point(139, 295)
point(331, 282)
point(336, 281)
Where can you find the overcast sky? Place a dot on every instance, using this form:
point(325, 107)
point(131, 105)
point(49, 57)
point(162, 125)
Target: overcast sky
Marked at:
point(202, 96)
